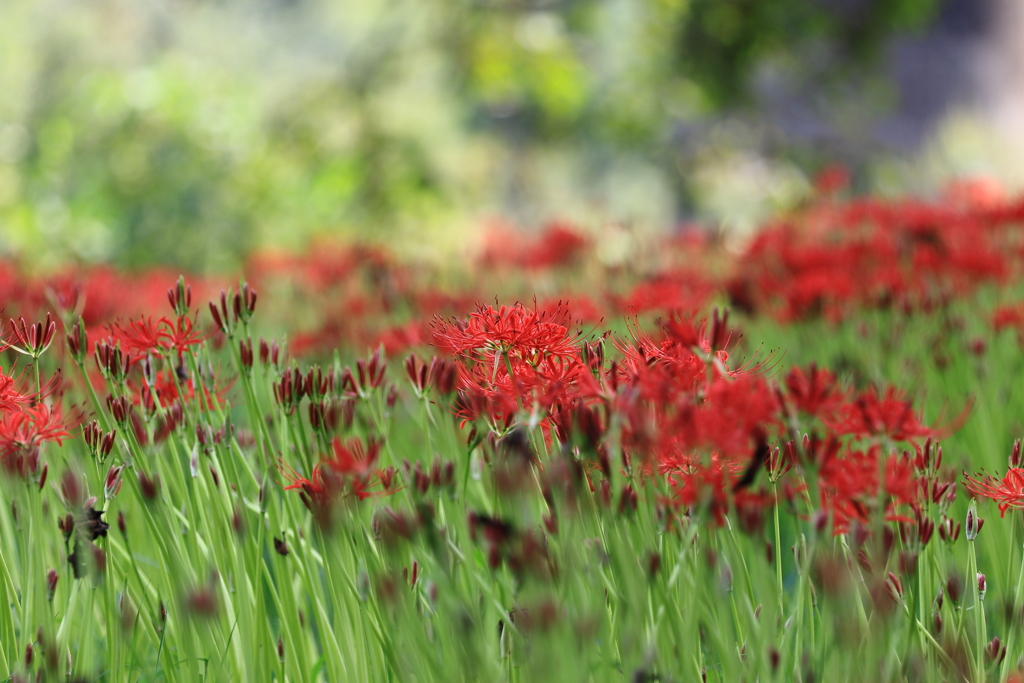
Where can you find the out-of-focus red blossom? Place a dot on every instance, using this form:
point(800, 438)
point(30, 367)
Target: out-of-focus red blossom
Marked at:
point(849, 486)
point(814, 391)
point(23, 432)
point(833, 259)
point(350, 470)
point(1008, 491)
point(676, 291)
point(558, 244)
point(167, 388)
point(886, 414)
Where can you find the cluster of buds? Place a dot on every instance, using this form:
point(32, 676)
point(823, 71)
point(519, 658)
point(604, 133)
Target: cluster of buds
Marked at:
point(78, 343)
point(243, 305)
point(270, 354)
point(325, 415)
point(592, 354)
point(368, 376)
point(100, 443)
point(180, 297)
point(391, 527)
point(112, 362)
point(949, 531)
point(121, 408)
point(289, 390)
point(317, 385)
point(440, 475)
point(245, 355)
point(440, 375)
point(32, 340)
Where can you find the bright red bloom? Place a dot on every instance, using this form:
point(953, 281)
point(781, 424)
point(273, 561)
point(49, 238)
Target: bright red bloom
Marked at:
point(10, 395)
point(1008, 491)
point(521, 333)
point(142, 337)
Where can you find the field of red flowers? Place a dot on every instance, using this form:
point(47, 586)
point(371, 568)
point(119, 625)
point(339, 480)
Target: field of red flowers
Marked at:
point(796, 462)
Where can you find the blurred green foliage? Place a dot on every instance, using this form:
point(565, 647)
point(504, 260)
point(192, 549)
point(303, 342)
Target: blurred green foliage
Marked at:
point(188, 133)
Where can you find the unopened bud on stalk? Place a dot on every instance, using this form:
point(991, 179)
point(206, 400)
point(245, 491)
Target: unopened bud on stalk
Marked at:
point(120, 524)
point(180, 297)
point(269, 353)
point(982, 586)
point(245, 354)
point(895, 587)
point(51, 583)
point(244, 303)
point(78, 343)
point(149, 487)
point(954, 589)
point(948, 531)
point(112, 484)
point(995, 650)
point(974, 523)
point(1015, 454)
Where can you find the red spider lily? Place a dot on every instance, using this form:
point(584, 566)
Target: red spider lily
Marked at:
point(350, 471)
point(711, 487)
point(849, 487)
point(888, 414)
point(167, 388)
point(11, 396)
point(814, 391)
point(515, 331)
point(142, 337)
point(23, 432)
point(1008, 491)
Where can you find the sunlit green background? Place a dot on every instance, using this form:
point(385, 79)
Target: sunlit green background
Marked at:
point(190, 132)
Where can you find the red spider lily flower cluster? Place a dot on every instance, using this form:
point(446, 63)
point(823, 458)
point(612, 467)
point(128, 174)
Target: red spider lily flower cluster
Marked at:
point(348, 471)
point(713, 429)
point(836, 258)
point(142, 337)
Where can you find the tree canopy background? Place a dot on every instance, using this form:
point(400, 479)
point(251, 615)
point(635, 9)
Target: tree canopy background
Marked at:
point(189, 132)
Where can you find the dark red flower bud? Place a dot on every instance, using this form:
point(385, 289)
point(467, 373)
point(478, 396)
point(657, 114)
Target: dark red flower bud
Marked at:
point(121, 524)
point(280, 547)
point(78, 343)
point(974, 523)
point(51, 583)
point(653, 564)
point(245, 354)
point(180, 297)
point(995, 650)
point(149, 487)
point(954, 588)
